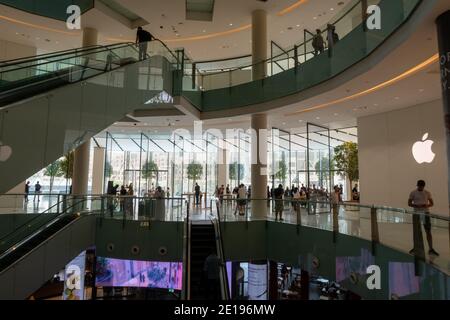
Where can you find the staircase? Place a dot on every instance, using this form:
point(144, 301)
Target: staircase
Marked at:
point(203, 243)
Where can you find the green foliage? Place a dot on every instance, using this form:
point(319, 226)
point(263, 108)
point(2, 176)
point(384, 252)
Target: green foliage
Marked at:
point(67, 165)
point(346, 160)
point(323, 169)
point(53, 170)
point(108, 169)
point(194, 171)
point(149, 169)
point(281, 174)
point(234, 170)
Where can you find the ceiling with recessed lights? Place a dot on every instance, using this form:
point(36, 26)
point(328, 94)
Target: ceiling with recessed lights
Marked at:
point(227, 35)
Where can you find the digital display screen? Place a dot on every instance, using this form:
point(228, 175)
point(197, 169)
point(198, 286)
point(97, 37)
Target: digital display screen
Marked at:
point(345, 266)
point(257, 281)
point(74, 278)
point(142, 274)
point(402, 280)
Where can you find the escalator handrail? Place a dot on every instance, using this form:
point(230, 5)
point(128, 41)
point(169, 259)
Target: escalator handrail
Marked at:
point(222, 253)
point(6, 253)
point(57, 54)
point(5, 63)
point(47, 212)
point(76, 55)
point(41, 215)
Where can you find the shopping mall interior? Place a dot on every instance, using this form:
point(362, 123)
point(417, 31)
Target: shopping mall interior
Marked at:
point(224, 149)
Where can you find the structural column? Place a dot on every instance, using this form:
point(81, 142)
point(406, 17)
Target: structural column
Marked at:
point(222, 167)
point(98, 170)
point(259, 44)
point(443, 27)
point(81, 157)
point(259, 165)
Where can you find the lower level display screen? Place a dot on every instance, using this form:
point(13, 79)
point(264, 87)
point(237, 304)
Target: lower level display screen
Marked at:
point(143, 274)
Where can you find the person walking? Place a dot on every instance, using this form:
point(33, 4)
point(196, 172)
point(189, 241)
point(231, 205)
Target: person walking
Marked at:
point(421, 200)
point(37, 191)
point(27, 190)
point(318, 43)
point(142, 39)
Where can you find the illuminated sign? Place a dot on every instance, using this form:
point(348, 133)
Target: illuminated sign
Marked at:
point(422, 152)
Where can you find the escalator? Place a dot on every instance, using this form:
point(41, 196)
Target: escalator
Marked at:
point(43, 245)
point(203, 243)
point(50, 104)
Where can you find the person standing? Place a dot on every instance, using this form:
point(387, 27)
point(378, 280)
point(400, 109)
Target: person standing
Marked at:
point(123, 193)
point(241, 200)
point(279, 206)
point(421, 200)
point(27, 190)
point(197, 194)
point(37, 192)
point(142, 39)
point(318, 43)
point(211, 270)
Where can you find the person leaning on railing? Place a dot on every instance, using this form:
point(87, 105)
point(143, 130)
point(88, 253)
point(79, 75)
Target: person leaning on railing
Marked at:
point(143, 37)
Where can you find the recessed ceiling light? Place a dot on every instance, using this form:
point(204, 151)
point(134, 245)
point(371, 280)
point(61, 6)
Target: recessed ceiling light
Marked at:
point(284, 123)
point(317, 118)
point(336, 114)
point(300, 120)
point(397, 98)
point(204, 31)
point(331, 9)
point(315, 18)
point(375, 104)
point(298, 26)
point(421, 90)
point(231, 24)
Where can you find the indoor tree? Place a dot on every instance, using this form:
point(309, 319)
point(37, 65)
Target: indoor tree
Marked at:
point(323, 169)
point(149, 169)
point(236, 171)
point(194, 172)
point(66, 165)
point(346, 161)
point(281, 174)
point(53, 170)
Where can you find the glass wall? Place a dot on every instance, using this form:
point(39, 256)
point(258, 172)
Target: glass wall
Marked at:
point(296, 158)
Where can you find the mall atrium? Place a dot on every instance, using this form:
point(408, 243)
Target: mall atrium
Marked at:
point(224, 149)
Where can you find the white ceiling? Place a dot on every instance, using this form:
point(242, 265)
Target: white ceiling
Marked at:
point(170, 14)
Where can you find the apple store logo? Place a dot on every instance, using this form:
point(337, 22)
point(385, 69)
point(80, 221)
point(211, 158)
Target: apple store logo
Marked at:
point(5, 152)
point(422, 152)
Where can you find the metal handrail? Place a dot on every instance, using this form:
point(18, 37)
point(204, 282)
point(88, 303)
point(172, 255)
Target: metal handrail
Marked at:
point(358, 205)
point(222, 253)
point(82, 54)
point(45, 213)
point(64, 53)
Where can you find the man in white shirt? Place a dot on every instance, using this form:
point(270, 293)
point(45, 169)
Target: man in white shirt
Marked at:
point(421, 200)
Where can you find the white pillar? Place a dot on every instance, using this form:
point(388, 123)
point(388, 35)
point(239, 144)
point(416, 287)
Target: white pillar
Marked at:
point(98, 170)
point(259, 44)
point(223, 167)
point(259, 166)
point(81, 169)
point(81, 158)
